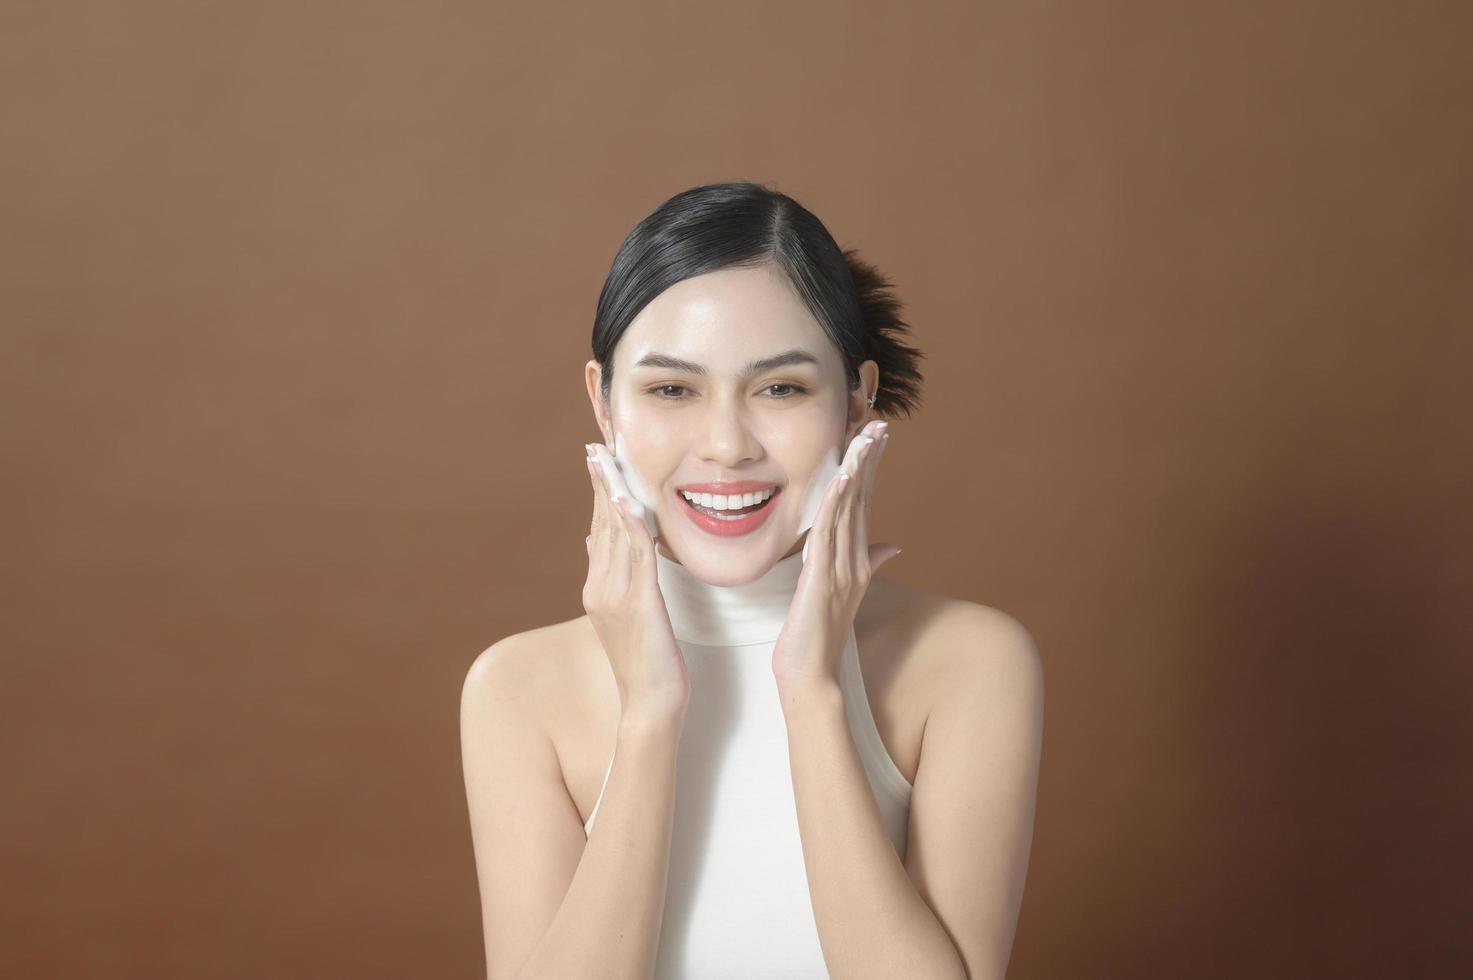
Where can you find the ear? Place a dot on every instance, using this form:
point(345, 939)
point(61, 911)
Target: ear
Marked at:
point(859, 411)
point(593, 378)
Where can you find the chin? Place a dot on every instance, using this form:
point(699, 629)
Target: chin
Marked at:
point(732, 563)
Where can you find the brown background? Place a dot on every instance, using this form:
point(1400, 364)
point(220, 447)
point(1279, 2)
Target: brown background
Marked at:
point(296, 300)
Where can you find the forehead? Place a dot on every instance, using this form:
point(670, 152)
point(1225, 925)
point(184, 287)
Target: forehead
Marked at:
point(724, 319)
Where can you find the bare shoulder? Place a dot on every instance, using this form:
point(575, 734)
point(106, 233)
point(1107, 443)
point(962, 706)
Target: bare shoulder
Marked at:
point(533, 668)
point(950, 643)
point(986, 653)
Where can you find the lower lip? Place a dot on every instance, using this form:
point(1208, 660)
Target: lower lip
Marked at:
point(728, 529)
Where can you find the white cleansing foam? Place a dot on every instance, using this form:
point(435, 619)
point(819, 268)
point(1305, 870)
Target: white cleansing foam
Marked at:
point(828, 471)
point(626, 482)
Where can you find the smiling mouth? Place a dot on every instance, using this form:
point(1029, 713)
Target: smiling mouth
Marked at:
point(728, 514)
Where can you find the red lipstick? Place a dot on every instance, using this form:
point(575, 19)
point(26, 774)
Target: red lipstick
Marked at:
point(732, 523)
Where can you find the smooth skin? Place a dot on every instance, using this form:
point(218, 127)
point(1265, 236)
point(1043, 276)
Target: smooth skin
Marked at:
point(966, 676)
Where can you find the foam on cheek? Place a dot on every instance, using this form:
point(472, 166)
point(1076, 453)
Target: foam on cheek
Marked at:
point(625, 480)
point(830, 468)
point(813, 496)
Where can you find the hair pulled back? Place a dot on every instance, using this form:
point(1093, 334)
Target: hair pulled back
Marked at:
point(744, 224)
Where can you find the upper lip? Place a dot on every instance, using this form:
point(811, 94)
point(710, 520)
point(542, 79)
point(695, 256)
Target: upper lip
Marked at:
point(737, 486)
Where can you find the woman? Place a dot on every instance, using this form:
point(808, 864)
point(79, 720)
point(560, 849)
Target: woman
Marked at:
point(753, 757)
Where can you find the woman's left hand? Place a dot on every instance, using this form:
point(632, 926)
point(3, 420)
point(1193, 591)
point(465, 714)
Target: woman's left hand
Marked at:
point(836, 573)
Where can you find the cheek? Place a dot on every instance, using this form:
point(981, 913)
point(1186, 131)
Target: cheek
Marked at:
point(808, 454)
point(632, 464)
point(647, 467)
point(650, 441)
point(812, 497)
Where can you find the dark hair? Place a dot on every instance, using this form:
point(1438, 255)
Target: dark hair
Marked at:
point(744, 224)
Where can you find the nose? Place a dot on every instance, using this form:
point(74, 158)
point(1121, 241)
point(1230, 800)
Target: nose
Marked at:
point(725, 438)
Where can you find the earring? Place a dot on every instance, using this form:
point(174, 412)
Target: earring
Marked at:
point(872, 400)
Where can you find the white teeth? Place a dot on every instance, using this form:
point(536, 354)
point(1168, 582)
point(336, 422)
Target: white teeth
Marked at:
point(721, 501)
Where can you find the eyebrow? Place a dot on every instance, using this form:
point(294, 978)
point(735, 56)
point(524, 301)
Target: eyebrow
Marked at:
point(787, 357)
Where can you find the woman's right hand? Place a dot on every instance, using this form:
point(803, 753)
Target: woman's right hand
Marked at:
point(623, 601)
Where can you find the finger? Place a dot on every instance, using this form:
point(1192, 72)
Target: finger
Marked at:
point(850, 466)
point(601, 515)
point(617, 569)
point(641, 546)
point(598, 545)
point(616, 573)
point(844, 534)
point(872, 467)
point(821, 536)
point(613, 479)
point(850, 463)
point(850, 514)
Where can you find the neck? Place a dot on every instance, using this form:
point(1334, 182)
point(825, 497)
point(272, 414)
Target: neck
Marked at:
point(728, 615)
point(665, 552)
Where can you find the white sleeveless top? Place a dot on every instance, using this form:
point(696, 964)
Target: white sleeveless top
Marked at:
point(736, 901)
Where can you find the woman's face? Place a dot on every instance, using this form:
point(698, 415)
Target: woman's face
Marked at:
point(776, 425)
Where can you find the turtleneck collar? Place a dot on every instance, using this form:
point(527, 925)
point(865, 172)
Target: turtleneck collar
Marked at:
point(716, 615)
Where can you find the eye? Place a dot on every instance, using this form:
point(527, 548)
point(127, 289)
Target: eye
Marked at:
point(658, 391)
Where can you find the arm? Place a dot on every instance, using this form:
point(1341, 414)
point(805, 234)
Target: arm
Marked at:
point(554, 903)
point(871, 920)
point(609, 922)
point(952, 911)
point(971, 817)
